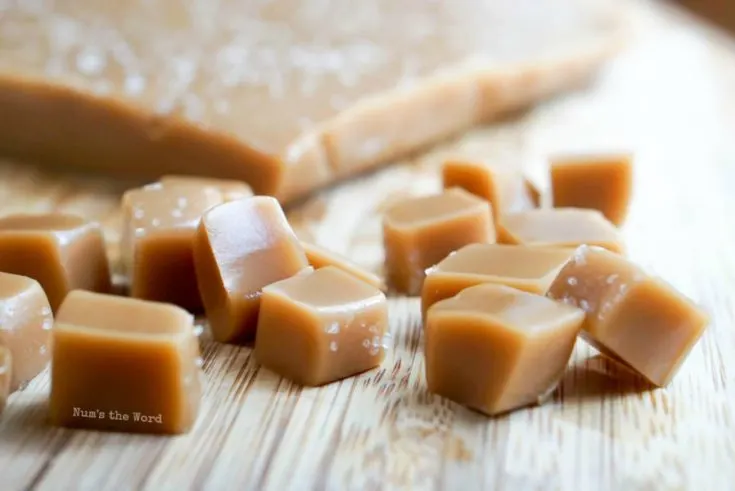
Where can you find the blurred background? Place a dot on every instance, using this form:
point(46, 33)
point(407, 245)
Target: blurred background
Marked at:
point(720, 12)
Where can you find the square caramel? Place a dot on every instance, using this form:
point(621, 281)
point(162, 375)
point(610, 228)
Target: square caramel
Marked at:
point(124, 364)
point(560, 227)
point(599, 182)
point(6, 373)
point(321, 326)
point(160, 225)
point(25, 327)
point(229, 188)
point(531, 269)
point(494, 348)
point(62, 252)
point(421, 231)
point(240, 247)
point(634, 318)
point(320, 257)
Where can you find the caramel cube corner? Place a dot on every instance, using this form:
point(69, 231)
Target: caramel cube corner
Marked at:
point(320, 257)
point(62, 252)
point(495, 348)
point(6, 372)
point(530, 269)
point(241, 247)
point(632, 317)
point(124, 364)
point(419, 232)
point(599, 182)
point(230, 189)
point(322, 326)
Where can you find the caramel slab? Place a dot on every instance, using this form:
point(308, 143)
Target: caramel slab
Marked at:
point(62, 252)
point(320, 257)
point(495, 349)
point(124, 364)
point(632, 317)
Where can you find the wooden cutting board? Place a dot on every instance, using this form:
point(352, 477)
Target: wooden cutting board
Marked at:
point(671, 99)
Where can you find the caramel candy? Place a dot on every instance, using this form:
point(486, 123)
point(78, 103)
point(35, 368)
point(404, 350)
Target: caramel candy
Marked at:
point(632, 317)
point(63, 252)
point(124, 364)
point(531, 269)
point(6, 372)
point(599, 182)
point(160, 225)
point(321, 326)
point(319, 257)
point(25, 322)
point(494, 348)
point(560, 227)
point(240, 247)
point(230, 188)
point(419, 232)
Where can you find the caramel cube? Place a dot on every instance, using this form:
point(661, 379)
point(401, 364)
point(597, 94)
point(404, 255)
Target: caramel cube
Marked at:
point(599, 182)
point(321, 326)
point(531, 269)
point(560, 227)
point(25, 325)
point(495, 348)
point(6, 372)
point(160, 225)
point(240, 247)
point(632, 317)
point(229, 188)
point(62, 252)
point(319, 257)
point(124, 364)
point(420, 232)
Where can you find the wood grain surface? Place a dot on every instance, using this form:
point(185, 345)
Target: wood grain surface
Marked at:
point(671, 99)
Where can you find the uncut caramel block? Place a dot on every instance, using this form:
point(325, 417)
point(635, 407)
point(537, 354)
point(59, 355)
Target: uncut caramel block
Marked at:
point(63, 252)
point(599, 182)
point(124, 364)
point(158, 241)
point(319, 257)
point(495, 348)
point(560, 227)
point(6, 371)
point(531, 269)
point(321, 326)
point(230, 188)
point(240, 247)
point(632, 317)
point(420, 232)
point(25, 324)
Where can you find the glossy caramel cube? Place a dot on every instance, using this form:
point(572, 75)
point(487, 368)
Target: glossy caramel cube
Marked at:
point(6, 372)
point(124, 364)
point(25, 325)
point(229, 188)
point(632, 317)
point(420, 232)
point(321, 326)
point(160, 225)
point(241, 247)
point(495, 348)
point(560, 227)
point(62, 252)
point(599, 182)
point(320, 257)
point(531, 269)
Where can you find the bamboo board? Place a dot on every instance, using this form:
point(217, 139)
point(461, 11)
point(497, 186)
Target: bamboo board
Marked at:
point(671, 99)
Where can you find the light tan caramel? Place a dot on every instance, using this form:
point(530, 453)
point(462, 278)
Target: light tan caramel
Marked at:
point(531, 269)
point(124, 364)
point(320, 257)
point(494, 348)
point(560, 227)
point(6, 373)
point(321, 326)
point(419, 232)
point(230, 188)
point(63, 252)
point(241, 247)
point(599, 182)
point(632, 317)
point(160, 222)
point(25, 324)
point(271, 93)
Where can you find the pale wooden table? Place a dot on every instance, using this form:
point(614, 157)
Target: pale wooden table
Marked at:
point(671, 99)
